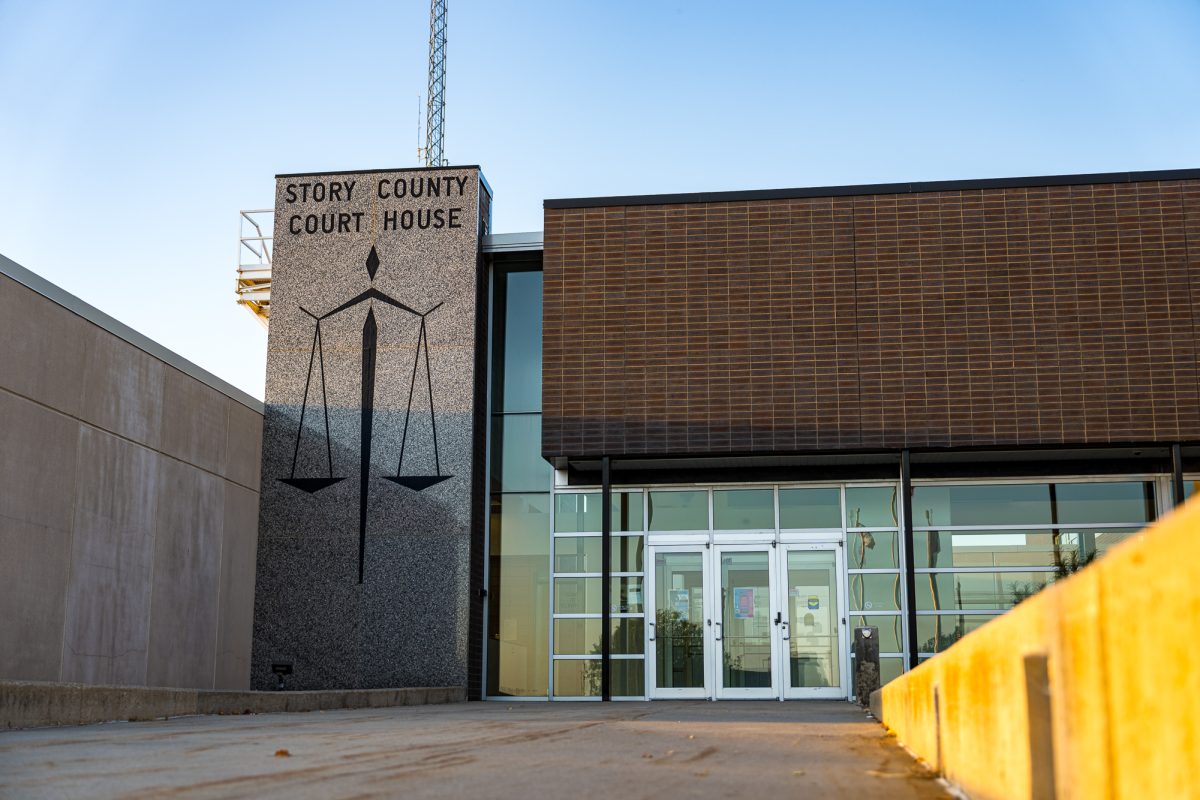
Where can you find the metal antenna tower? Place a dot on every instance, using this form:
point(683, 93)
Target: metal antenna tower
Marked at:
point(435, 112)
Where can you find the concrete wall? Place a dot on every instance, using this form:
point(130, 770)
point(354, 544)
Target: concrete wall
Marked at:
point(128, 503)
point(1089, 689)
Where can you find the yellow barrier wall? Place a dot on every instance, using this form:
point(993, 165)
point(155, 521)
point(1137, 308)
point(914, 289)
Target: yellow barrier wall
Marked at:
point(1121, 643)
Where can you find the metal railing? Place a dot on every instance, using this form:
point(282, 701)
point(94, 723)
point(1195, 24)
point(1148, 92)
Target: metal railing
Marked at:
point(255, 227)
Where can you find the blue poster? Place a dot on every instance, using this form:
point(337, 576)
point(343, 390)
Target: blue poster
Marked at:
point(743, 603)
point(680, 602)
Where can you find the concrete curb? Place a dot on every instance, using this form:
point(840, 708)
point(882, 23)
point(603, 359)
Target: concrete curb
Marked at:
point(28, 704)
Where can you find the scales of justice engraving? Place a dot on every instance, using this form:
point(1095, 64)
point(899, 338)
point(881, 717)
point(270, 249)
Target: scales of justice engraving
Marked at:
point(370, 337)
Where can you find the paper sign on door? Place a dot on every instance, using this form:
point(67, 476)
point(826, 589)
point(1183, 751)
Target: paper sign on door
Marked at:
point(743, 603)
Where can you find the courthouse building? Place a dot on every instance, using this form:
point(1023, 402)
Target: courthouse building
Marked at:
point(681, 446)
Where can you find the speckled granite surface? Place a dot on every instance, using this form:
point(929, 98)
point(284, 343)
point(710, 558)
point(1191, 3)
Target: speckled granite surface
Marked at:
point(406, 623)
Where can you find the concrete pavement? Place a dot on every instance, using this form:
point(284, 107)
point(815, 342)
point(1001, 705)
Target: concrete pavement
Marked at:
point(494, 749)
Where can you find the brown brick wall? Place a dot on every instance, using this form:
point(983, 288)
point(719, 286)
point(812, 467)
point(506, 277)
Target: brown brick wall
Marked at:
point(1017, 316)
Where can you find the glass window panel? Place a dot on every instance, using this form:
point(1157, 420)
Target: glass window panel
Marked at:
point(874, 550)
point(627, 553)
point(581, 636)
point(889, 631)
point(577, 596)
point(627, 596)
point(743, 509)
point(517, 463)
point(1096, 503)
point(580, 513)
point(871, 506)
point(810, 508)
point(577, 553)
point(936, 632)
point(628, 677)
point(977, 590)
point(582, 554)
point(577, 678)
point(679, 511)
point(519, 576)
point(521, 368)
point(890, 669)
point(874, 592)
point(628, 637)
point(746, 626)
point(1067, 548)
point(679, 620)
point(982, 504)
point(813, 651)
point(577, 637)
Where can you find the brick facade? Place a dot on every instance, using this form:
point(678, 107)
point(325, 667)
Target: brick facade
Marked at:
point(1030, 315)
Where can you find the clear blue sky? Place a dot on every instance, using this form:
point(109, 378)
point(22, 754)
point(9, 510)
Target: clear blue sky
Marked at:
point(132, 132)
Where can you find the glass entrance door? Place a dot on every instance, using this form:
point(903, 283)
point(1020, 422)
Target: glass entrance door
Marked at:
point(744, 625)
point(746, 621)
point(680, 623)
point(813, 628)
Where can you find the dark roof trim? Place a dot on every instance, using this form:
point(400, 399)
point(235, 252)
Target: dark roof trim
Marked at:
point(371, 171)
point(874, 188)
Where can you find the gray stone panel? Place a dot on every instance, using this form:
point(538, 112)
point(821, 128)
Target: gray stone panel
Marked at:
point(112, 561)
point(406, 624)
point(196, 427)
point(43, 352)
point(187, 564)
point(235, 615)
point(123, 390)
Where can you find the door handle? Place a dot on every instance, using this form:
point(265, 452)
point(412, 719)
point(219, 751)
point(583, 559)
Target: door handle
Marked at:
point(786, 633)
point(719, 636)
point(651, 624)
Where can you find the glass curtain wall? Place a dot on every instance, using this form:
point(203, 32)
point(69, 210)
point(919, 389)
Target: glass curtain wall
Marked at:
point(578, 550)
point(518, 635)
point(983, 548)
point(874, 583)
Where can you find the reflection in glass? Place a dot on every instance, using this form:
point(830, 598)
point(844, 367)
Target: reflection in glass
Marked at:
point(743, 509)
point(871, 507)
point(679, 511)
point(810, 508)
point(890, 669)
point(581, 677)
point(1067, 548)
point(577, 636)
point(1115, 502)
point(1097, 503)
point(679, 620)
point(577, 677)
point(577, 596)
point(580, 512)
point(977, 590)
point(814, 653)
point(746, 620)
point(627, 595)
point(889, 631)
point(582, 553)
point(936, 632)
point(519, 316)
point(517, 464)
point(519, 580)
point(874, 591)
point(873, 550)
